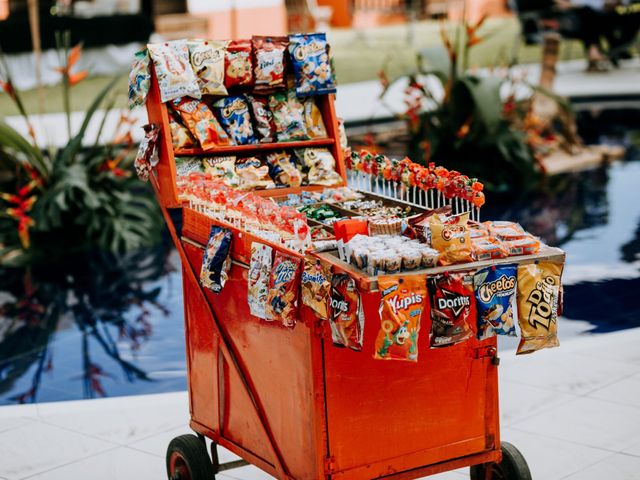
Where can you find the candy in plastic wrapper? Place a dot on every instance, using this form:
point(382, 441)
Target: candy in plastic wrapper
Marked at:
point(253, 174)
point(188, 165)
point(453, 310)
point(207, 60)
point(269, 63)
point(288, 118)
point(450, 236)
point(263, 126)
point(526, 245)
point(234, 116)
point(403, 300)
point(173, 70)
point(495, 289)
point(238, 64)
point(283, 170)
point(487, 248)
point(216, 260)
point(147, 156)
point(347, 316)
point(316, 287)
point(539, 298)
point(321, 166)
point(223, 168)
point(201, 122)
point(311, 64)
point(282, 299)
point(139, 79)
point(180, 136)
point(258, 279)
point(313, 119)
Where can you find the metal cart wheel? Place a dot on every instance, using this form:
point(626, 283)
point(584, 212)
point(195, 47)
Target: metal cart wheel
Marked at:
point(187, 459)
point(512, 467)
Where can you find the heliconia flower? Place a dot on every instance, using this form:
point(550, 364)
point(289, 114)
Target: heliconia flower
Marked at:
point(7, 87)
point(72, 59)
point(384, 80)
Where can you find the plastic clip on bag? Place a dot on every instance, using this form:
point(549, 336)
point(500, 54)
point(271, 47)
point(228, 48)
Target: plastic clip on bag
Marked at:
point(175, 76)
point(347, 317)
point(216, 261)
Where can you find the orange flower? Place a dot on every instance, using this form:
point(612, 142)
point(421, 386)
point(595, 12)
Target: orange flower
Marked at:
point(464, 129)
point(384, 80)
point(72, 59)
point(8, 88)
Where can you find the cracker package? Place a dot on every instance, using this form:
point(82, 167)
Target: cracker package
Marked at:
point(258, 279)
point(180, 136)
point(313, 119)
point(316, 287)
point(199, 119)
point(263, 126)
point(234, 116)
point(207, 60)
point(238, 64)
point(139, 79)
point(253, 174)
point(403, 300)
point(321, 166)
point(216, 260)
point(453, 310)
point(495, 290)
point(288, 118)
point(282, 299)
point(311, 64)
point(173, 70)
point(269, 63)
point(487, 248)
point(347, 316)
point(223, 168)
point(283, 169)
point(450, 236)
point(539, 299)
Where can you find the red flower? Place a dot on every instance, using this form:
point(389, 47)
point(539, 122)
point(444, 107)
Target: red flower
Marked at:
point(72, 59)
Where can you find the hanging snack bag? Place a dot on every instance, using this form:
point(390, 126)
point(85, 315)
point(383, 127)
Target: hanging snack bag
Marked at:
point(403, 300)
point(258, 282)
point(147, 155)
point(288, 120)
point(139, 79)
point(450, 236)
point(282, 299)
point(283, 170)
point(180, 136)
point(321, 166)
point(453, 309)
point(311, 64)
point(199, 119)
point(238, 65)
point(313, 119)
point(269, 67)
point(173, 70)
point(216, 261)
point(538, 305)
point(495, 289)
point(262, 118)
point(223, 168)
point(253, 174)
point(316, 287)
point(234, 116)
point(207, 60)
point(347, 316)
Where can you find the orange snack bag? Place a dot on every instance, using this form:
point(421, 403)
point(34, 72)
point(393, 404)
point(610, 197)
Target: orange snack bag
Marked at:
point(450, 236)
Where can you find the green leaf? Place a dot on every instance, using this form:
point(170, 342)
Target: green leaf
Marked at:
point(11, 139)
point(437, 62)
point(485, 95)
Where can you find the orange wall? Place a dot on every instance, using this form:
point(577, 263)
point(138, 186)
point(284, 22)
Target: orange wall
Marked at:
point(248, 21)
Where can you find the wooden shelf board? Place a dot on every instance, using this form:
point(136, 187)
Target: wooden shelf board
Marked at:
point(253, 148)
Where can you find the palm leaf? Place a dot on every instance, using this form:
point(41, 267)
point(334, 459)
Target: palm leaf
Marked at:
point(11, 139)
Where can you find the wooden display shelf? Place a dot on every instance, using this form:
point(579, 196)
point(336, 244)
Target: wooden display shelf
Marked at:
point(253, 148)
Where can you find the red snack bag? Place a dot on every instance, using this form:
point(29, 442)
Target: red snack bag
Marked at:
point(347, 317)
point(453, 308)
point(238, 65)
point(282, 299)
point(269, 66)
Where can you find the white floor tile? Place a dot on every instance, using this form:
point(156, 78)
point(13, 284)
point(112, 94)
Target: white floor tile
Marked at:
point(455, 475)
point(625, 391)
point(10, 423)
point(615, 467)
point(518, 401)
point(247, 473)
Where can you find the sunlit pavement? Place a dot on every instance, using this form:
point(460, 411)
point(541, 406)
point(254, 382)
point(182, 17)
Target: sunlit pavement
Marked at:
point(573, 411)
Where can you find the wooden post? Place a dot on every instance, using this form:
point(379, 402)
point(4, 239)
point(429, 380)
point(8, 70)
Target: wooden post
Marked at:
point(34, 26)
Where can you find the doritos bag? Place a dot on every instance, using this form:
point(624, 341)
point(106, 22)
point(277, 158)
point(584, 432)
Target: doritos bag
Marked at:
point(453, 309)
point(347, 317)
point(316, 287)
point(450, 236)
point(495, 289)
point(216, 261)
point(282, 300)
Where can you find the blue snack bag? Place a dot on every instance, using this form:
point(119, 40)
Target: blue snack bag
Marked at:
point(233, 114)
point(311, 64)
point(495, 289)
point(216, 261)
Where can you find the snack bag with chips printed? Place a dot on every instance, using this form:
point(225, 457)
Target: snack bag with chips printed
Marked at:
point(269, 63)
point(288, 118)
point(283, 170)
point(147, 155)
point(262, 118)
point(495, 289)
point(539, 296)
point(347, 316)
point(199, 119)
point(234, 116)
point(173, 70)
point(313, 119)
point(316, 287)
point(253, 174)
point(223, 168)
point(238, 64)
point(453, 309)
point(311, 64)
point(282, 299)
point(180, 136)
point(216, 260)
point(403, 300)
point(207, 60)
point(258, 279)
point(139, 79)
point(450, 236)
point(320, 165)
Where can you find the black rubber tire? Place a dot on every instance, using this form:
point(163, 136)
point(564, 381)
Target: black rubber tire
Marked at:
point(188, 455)
point(512, 467)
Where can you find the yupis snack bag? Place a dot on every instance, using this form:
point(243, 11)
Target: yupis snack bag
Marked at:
point(311, 64)
point(450, 236)
point(216, 261)
point(258, 279)
point(316, 286)
point(199, 119)
point(234, 116)
point(288, 118)
point(313, 119)
point(269, 63)
point(263, 126)
point(453, 309)
point(173, 70)
point(139, 79)
point(538, 306)
point(223, 168)
point(253, 174)
point(283, 170)
point(495, 289)
point(320, 166)
point(207, 60)
point(403, 300)
point(282, 299)
point(238, 64)
point(347, 316)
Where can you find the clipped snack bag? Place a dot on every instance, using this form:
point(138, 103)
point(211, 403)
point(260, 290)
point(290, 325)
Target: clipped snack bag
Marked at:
point(258, 279)
point(495, 289)
point(262, 118)
point(180, 136)
point(282, 299)
point(223, 168)
point(147, 154)
point(216, 260)
point(253, 174)
point(313, 119)
point(207, 60)
point(316, 287)
point(450, 236)
point(173, 70)
point(403, 300)
point(538, 306)
point(199, 119)
point(269, 66)
point(453, 309)
point(238, 64)
point(321, 166)
point(234, 116)
point(347, 317)
point(139, 79)
point(288, 120)
point(283, 170)
point(311, 64)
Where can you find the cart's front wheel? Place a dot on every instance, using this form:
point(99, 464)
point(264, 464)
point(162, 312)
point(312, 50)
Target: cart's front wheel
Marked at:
point(187, 459)
point(512, 467)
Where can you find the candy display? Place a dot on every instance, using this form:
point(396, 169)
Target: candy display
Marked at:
point(282, 299)
point(238, 64)
point(201, 122)
point(288, 118)
point(207, 60)
point(216, 261)
point(375, 208)
point(453, 310)
point(258, 279)
point(316, 286)
point(262, 118)
point(538, 306)
point(147, 155)
point(139, 79)
point(313, 119)
point(269, 63)
point(253, 174)
point(450, 236)
point(321, 166)
point(495, 290)
point(233, 113)
point(175, 76)
point(310, 58)
point(347, 317)
point(282, 169)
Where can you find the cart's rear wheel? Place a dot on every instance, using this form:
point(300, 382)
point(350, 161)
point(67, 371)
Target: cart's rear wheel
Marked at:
point(512, 467)
point(187, 459)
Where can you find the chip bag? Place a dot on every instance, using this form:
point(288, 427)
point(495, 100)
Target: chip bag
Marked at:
point(238, 64)
point(262, 119)
point(283, 170)
point(311, 64)
point(199, 119)
point(316, 287)
point(313, 119)
point(538, 306)
point(347, 317)
point(180, 136)
point(269, 66)
point(321, 166)
point(253, 174)
point(188, 165)
point(288, 118)
point(453, 311)
point(450, 236)
point(216, 260)
point(147, 154)
point(403, 300)
point(139, 79)
point(258, 279)
point(282, 299)
point(223, 168)
point(173, 70)
point(234, 116)
point(495, 289)
point(207, 60)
